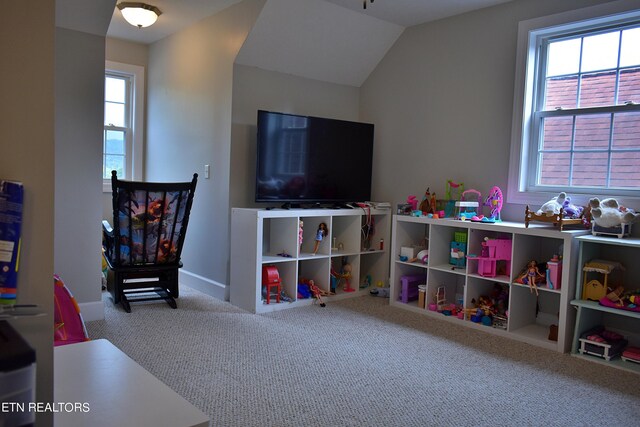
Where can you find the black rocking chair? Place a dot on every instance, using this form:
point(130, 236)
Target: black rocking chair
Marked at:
point(144, 245)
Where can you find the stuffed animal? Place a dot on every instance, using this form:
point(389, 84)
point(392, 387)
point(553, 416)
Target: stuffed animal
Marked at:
point(552, 207)
point(608, 213)
point(571, 210)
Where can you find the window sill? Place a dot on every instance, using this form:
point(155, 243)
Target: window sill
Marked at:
point(534, 199)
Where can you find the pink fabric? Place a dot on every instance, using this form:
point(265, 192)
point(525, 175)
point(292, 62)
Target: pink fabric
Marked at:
point(608, 303)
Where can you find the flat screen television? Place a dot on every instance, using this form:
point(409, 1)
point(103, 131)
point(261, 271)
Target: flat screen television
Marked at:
point(302, 159)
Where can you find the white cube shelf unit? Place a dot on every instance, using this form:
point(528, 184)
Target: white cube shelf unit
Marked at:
point(590, 313)
point(529, 316)
point(262, 237)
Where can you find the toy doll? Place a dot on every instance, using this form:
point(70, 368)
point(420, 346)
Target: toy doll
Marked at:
point(322, 232)
point(318, 293)
point(530, 275)
point(300, 229)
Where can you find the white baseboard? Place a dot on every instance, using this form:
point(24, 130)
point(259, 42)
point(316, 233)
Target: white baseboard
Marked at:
point(92, 310)
point(204, 285)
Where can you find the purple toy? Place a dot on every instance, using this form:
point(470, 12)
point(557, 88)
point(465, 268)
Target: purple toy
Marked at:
point(570, 209)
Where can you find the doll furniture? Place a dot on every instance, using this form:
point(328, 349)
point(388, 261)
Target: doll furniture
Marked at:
point(559, 220)
point(458, 249)
point(409, 287)
point(631, 354)
point(271, 282)
point(493, 250)
point(554, 273)
point(619, 231)
point(602, 343)
point(144, 245)
point(595, 275)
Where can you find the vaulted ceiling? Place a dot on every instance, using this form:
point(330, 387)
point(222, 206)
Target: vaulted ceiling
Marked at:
point(336, 41)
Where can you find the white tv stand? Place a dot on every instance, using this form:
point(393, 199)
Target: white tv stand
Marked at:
point(258, 236)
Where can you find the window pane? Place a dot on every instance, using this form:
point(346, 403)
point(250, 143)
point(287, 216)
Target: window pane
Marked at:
point(114, 114)
point(563, 57)
point(116, 163)
point(625, 170)
point(592, 131)
point(114, 142)
point(558, 132)
point(626, 132)
point(600, 52)
point(597, 89)
point(590, 169)
point(629, 85)
point(114, 89)
point(561, 92)
point(630, 48)
point(554, 169)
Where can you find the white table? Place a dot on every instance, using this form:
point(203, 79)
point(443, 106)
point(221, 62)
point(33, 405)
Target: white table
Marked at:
point(119, 392)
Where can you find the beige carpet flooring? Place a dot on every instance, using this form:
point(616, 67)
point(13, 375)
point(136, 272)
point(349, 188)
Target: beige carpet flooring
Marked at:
point(360, 362)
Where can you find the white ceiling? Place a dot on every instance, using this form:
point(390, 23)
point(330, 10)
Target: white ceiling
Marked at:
point(317, 40)
point(176, 15)
point(413, 12)
point(336, 41)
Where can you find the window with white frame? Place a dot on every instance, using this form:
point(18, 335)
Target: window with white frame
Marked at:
point(580, 123)
point(117, 121)
point(123, 130)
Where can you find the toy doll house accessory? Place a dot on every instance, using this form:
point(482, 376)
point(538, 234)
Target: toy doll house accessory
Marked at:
point(467, 208)
point(554, 272)
point(596, 278)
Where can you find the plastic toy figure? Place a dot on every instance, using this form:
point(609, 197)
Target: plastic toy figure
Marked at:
point(346, 276)
point(300, 229)
point(530, 275)
point(322, 232)
point(317, 293)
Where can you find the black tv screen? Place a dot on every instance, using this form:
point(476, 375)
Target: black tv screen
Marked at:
point(302, 159)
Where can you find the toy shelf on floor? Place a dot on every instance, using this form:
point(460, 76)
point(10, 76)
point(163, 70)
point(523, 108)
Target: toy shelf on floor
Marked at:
point(591, 314)
point(261, 237)
point(530, 317)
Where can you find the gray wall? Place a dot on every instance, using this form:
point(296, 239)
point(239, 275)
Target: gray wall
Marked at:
point(189, 125)
point(127, 52)
point(255, 89)
point(79, 81)
point(442, 102)
point(27, 146)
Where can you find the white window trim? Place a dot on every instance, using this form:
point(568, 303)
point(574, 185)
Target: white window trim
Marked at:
point(137, 116)
point(524, 81)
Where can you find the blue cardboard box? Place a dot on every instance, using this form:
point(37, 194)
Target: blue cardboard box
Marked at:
point(11, 202)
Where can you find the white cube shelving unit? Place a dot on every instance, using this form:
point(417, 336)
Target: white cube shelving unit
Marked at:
point(261, 237)
point(529, 316)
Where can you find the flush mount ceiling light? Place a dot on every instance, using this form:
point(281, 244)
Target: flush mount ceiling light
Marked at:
point(139, 14)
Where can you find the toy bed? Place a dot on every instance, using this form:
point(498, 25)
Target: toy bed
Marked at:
point(602, 343)
point(620, 231)
point(559, 219)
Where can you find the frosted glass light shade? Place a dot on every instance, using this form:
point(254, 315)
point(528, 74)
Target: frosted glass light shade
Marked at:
point(139, 14)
